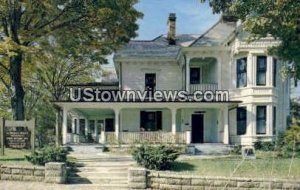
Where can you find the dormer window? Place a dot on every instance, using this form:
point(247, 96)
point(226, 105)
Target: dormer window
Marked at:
point(241, 67)
point(261, 70)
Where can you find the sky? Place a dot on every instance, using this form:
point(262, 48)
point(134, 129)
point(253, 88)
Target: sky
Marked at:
point(193, 17)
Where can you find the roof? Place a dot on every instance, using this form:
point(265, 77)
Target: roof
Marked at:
point(159, 47)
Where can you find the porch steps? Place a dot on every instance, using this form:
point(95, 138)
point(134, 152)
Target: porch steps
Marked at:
point(212, 149)
point(100, 171)
point(86, 148)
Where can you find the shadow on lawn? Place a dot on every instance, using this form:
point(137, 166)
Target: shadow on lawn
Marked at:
point(182, 166)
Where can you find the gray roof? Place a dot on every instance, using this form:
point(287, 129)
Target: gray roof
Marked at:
point(159, 46)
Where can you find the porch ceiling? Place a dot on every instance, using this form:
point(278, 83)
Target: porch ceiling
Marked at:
point(93, 111)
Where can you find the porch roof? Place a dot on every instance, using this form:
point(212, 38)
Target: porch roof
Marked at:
point(121, 105)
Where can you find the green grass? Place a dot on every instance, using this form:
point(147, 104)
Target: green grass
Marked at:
point(262, 167)
point(15, 156)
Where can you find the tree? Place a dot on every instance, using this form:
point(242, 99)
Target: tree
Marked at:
point(278, 18)
point(86, 29)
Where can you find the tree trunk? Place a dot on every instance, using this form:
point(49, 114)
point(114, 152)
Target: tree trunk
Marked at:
point(17, 96)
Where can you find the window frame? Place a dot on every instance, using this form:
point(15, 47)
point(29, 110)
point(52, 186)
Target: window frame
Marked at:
point(261, 70)
point(239, 120)
point(260, 119)
point(274, 73)
point(241, 72)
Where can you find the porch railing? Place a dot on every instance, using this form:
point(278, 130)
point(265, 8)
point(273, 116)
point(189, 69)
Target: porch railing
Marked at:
point(203, 87)
point(153, 137)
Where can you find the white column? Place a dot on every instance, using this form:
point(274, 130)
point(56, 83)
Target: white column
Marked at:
point(226, 126)
point(250, 70)
point(269, 124)
point(73, 125)
point(173, 113)
point(78, 127)
point(187, 75)
point(65, 125)
point(269, 72)
point(117, 127)
point(86, 127)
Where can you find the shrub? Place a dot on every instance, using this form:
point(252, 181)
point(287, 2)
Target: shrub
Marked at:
point(264, 145)
point(48, 154)
point(288, 144)
point(155, 157)
point(236, 150)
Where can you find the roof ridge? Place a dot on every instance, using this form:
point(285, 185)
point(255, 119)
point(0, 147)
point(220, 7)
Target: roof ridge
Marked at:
point(205, 32)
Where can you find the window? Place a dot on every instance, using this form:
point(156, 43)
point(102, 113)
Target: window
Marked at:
point(274, 120)
point(274, 71)
point(241, 68)
point(261, 112)
point(151, 120)
point(150, 82)
point(241, 117)
point(261, 69)
point(75, 125)
point(109, 125)
point(92, 126)
point(194, 75)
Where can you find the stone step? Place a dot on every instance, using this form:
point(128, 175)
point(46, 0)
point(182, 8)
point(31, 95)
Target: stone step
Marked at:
point(105, 160)
point(98, 180)
point(97, 186)
point(104, 164)
point(101, 169)
point(88, 174)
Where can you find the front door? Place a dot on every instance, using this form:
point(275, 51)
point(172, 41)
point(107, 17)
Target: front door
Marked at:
point(197, 128)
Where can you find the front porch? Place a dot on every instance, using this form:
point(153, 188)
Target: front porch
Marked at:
point(127, 122)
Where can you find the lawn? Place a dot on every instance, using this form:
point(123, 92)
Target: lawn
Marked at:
point(15, 156)
point(264, 166)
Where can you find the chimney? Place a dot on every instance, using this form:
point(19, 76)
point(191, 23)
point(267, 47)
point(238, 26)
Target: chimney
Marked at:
point(172, 29)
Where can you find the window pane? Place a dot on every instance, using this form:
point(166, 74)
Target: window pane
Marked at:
point(261, 119)
point(261, 68)
point(241, 120)
point(241, 72)
point(274, 120)
point(195, 76)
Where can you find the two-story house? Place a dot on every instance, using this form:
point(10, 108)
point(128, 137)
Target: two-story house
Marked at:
point(219, 59)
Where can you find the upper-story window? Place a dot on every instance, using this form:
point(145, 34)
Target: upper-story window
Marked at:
point(195, 75)
point(150, 82)
point(274, 72)
point(261, 70)
point(241, 67)
point(241, 119)
point(261, 119)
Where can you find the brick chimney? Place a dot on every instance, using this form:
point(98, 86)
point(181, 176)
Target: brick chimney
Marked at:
point(172, 29)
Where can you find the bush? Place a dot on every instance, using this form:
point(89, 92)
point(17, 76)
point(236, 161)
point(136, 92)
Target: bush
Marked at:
point(154, 157)
point(48, 154)
point(264, 145)
point(288, 144)
point(236, 150)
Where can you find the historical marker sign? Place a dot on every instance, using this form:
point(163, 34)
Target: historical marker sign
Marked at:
point(17, 139)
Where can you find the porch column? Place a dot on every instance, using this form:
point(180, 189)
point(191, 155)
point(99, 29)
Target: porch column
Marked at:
point(226, 126)
point(65, 125)
point(73, 124)
point(117, 127)
point(173, 113)
point(86, 127)
point(77, 125)
point(187, 75)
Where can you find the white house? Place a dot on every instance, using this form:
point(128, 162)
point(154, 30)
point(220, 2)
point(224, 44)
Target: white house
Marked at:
point(219, 59)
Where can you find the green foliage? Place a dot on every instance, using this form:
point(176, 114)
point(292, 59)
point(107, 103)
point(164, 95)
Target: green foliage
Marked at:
point(154, 157)
point(236, 150)
point(279, 19)
point(48, 154)
point(264, 145)
point(289, 143)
